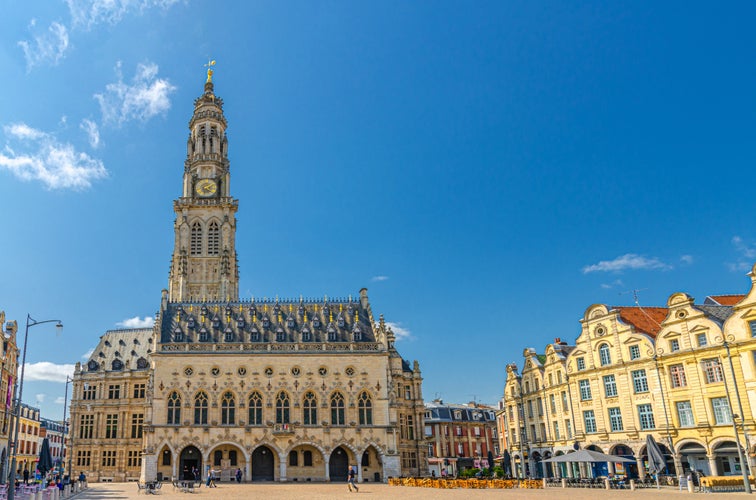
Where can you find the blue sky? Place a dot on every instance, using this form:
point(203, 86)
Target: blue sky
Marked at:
point(487, 170)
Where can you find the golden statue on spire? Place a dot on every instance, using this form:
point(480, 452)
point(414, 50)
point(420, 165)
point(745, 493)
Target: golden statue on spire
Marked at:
point(209, 67)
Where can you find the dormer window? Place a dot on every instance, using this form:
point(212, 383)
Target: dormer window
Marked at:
point(300, 311)
point(290, 322)
point(117, 365)
point(266, 322)
point(216, 322)
point(254, 336)
point(306, 335)
point(280, 335)
point(93, 366)
point(316, 322)
point(357, 333)
point(204, 336)
point(229, 335)
point(331, 333)
point(178, 335)
point(240, 322)
point(340, 321)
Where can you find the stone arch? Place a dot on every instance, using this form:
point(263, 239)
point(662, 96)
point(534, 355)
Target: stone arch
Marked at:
point(684, 443)
point(370, 464)
point(594, 447)
point(227, 463)
point(339, 462)
point(166, 470)
point(191, 457)
point(315, 470)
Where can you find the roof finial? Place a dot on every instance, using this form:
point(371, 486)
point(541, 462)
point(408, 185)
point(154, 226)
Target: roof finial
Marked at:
point(209, 66)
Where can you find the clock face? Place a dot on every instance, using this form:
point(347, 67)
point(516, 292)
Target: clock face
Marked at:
point(206, 187)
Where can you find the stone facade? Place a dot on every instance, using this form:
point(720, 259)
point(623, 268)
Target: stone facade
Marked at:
point(281, 389)
point(678, 373)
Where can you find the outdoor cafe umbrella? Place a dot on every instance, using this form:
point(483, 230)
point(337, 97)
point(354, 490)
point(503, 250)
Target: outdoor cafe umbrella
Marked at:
point(656, 460)
point(45, 459)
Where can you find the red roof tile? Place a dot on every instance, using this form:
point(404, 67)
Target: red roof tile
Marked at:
point(644, 319)
point(726, 300)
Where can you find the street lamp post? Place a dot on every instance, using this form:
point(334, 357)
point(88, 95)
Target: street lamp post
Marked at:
point(65, 432)
point(29, 323)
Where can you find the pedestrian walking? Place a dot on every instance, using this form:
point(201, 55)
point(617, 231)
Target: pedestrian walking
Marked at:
point(238, 475)
point(26, 476)
point(350, 480)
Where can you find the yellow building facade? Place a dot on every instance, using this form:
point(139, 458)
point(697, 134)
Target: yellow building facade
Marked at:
point(678, 373)
point(8, 372)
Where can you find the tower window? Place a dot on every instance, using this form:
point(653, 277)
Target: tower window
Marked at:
point(196, 239)
point(213, 239)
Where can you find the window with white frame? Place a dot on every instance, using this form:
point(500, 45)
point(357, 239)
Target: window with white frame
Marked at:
point(552, 403)
point(568, 428)
point(580, 363)
point(555, 424)
point(634, 352)
point(590, 421)
point(605, 356)
point(677, 375)
point(646, 416)
point(564, 399)
point(610, 386)
point(752, 327)
point(585, 390)
point(712, 369)
point(640, 382)
point(722, 414)
point(685, 414)
point(615, 419)
point(701, 340)
point(674, 345)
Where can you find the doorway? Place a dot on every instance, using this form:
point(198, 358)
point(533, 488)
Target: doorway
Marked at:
point(190, 460)
point(338, 467)
point(262, 464)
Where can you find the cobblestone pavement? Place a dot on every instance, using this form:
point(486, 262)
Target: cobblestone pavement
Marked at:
point(124, 491)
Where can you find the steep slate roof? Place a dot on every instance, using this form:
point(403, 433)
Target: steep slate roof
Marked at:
point(723, 300)
point(644, 319)
point(719, 314)
point(267, 318)
point(127, 346)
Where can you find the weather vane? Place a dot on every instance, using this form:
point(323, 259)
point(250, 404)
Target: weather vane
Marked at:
point(209, 67)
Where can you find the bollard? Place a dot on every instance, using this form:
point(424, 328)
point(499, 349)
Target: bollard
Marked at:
point(690, 484)
point(544, 483)
point(632, 485)
point(564, 483)
point(606, 483)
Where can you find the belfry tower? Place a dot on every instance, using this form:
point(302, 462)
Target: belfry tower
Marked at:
point(204, 265)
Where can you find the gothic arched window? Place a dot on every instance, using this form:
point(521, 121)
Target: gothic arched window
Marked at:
point(195, 244)
point(337, 409)
point(282, 408)
point(228, 409)
point(365, 407)
point(213, 239)
point(310, 409)
point(255, 408)
point(174, 409)
point(200, 408)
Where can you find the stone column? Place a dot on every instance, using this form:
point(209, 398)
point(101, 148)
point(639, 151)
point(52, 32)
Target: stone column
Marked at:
point(281, 468)
point(359, 472)
point(248, 467)
point(677, 459)
point(610, 467)
point(641, 469)
point(713, 470)
point(149, 468)
point(327, 460)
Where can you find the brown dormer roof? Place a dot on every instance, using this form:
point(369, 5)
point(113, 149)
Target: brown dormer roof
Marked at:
point(643, 319)
point(724, 300)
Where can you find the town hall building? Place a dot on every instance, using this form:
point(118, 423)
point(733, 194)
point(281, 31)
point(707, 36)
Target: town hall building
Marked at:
point(283, 389)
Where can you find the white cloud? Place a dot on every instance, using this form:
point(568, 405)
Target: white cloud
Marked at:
point(744, 262)
point(400, 332)
point(379, 278)
point(40, 398)
point(146, 97)
point(137, 322)
point(42, 157)
point(49, 372)
point(613, 284)
point(48, 47)
point(87, 354)
point(627, 261)
point(686, 259)
point(93, 132)
point(87, 13)
point(60, 400)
